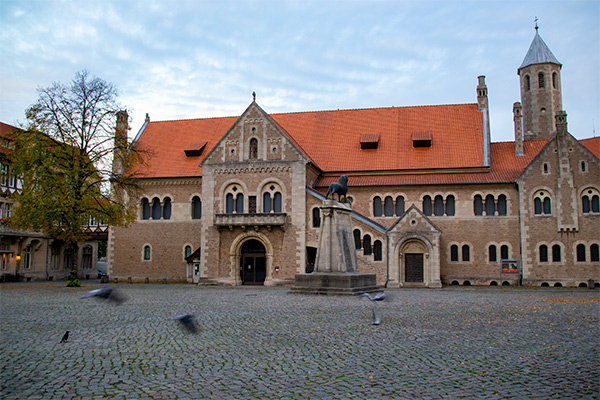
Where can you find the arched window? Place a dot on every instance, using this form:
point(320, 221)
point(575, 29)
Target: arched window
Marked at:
point(156, 208)
point(277, 202)
point(167, 208)
point(316, 217)
point(253, 149)
point(501, 206)
point(357, 241)
point(454, 253)
point(490, 206)
point(450, 207)
point(145, 208)
point(543, 253)
point(229, 203)
point(594, 253)
point(478, 205)
point(541, 80)
point(542, 203)
point(504, 252)
point(580, 253)
point(272, 198)
point(556, 253)
point(196, 208)
point(554, 80)
point(267, 202)
point(438, 206)
point(147, 253)
point(388, 207)
point(367, 250)
point(239, 203)
point(86, 257)
point(377, 208)
point(187, 251)
point(377, 250)
point(466, 253)
point(399, 206)
point(590, 201)
point(427, 205)
point(527, 83)
point(492, 253)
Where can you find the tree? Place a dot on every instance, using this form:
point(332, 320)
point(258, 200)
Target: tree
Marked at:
point(65, 161)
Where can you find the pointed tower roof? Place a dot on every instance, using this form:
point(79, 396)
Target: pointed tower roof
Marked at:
point(538, 53)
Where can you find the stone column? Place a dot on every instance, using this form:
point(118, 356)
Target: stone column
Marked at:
point(336, 252)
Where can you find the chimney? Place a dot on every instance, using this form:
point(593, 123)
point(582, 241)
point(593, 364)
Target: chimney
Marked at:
point(120, 142)
point(482, 106)
point(561, 122)
point(518, 119)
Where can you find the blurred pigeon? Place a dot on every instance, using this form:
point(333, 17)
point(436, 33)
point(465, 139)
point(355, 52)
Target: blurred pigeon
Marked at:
point(107, 293)
point(377, 297)
point(376, 319)
point(188, 322)
point(65, 337)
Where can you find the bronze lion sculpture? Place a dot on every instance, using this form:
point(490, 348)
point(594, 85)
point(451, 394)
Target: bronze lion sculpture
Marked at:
point(340, 187)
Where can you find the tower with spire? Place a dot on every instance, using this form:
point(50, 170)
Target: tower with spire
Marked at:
point(541, 94)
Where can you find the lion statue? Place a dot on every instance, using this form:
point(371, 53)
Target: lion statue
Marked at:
point(340, 187)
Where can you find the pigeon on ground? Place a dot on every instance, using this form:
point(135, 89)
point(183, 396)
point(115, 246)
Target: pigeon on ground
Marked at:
point(107, 293)
point(188, 322)
point(377, 297)
point(65, 337)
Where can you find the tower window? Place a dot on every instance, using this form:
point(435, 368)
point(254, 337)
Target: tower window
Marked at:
point(554, 78)
point(541, 80)
point(527, 83)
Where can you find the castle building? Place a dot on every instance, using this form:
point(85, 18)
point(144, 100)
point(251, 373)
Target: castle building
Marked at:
point(236, 200)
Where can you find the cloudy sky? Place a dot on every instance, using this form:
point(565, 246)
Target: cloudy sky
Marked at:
point(196, 59)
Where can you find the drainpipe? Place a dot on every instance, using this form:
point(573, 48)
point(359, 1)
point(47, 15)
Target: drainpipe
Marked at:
point(520, 233)
point(387, 244)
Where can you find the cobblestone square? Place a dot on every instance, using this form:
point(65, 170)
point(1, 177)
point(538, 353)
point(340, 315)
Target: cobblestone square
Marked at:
point(263, 343)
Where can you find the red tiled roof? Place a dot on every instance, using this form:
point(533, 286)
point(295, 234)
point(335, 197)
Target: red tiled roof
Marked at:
point(506, 167)
point(592, 144)
point(6, 129)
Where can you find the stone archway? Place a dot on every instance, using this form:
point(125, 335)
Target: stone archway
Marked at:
point(238, 252)
point(414, 262)
point(413, 254)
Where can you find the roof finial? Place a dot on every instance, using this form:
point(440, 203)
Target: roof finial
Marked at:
point(254, 96)
point(536, 25)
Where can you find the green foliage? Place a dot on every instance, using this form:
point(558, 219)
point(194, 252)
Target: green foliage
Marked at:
point(73, 281)
point(64, 160)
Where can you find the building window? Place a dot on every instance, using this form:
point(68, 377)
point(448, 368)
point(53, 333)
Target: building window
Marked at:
point(454, 253)
point(156, 208)
point(377, 250)
point(145, 208)
point(478, 205)
point(86, 257)
point(147, 253)
point(543, 253)
point(167, 208)
point(27, 257)
point(253, 149)
point(594, 253)
point(554, 80)
point(580, 253)
point(492, 257)
point(234, 200)
point(367, 249)
point(466, 253)
point(541, 80)
point(187, 251)
point(545, 169)
point(427, 205)
point(490, 205)
point(501, 206)
point(388, 207)
point(590, 201)
point(316, 217)
point(438, 206)
point(450, 207)
point(377, 207)
point(504, 252)
point(399, 206)
point(357, 241)
point(583, 166)
point(527, 83)
point(196, 208)
point(272, 199)
point(542, 203)
point(239, 203)
point(556, 254)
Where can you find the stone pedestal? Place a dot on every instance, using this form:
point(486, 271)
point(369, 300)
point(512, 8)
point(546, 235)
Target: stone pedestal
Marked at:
point(336, 270)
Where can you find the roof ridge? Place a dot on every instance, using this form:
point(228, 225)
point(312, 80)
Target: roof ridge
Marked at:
point(375, 108)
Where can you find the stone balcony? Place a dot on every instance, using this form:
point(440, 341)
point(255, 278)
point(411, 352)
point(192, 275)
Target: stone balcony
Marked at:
point(253, 220)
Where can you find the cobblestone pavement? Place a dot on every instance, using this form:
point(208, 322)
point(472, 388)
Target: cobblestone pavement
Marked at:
point(263, 343)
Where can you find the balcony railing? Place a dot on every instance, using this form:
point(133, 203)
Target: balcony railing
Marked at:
point(250, 220)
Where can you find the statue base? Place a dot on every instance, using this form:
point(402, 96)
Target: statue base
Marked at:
point(332, 283)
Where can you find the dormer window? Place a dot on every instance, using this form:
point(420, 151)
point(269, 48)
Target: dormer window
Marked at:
point(195, 149)
point(369, 141)
point(421, 139)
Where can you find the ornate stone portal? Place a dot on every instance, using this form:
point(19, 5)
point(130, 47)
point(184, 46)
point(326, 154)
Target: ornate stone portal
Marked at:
point(336, 270)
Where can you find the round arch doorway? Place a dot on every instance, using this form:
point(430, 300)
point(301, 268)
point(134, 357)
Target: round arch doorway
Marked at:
point(253, 263)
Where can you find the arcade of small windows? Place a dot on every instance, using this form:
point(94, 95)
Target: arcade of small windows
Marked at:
point(272, 198)
point(156, 209)
point(590, 201)
point(542, 203)
point(584, 256)
point(375, 249)
point(441, 207)
point(555, 252)
point(493, 253)
point(389, 207)
point(464, 252)
point(234, 200)
point(491, 206)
